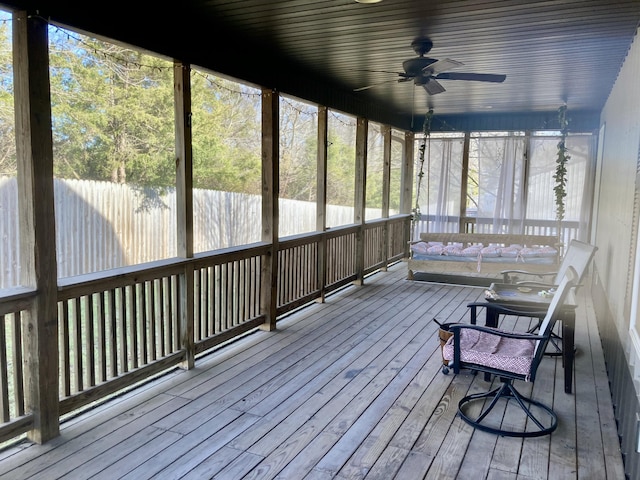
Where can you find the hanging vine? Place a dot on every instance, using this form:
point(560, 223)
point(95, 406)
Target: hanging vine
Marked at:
point(560, 176)
point(426, 129)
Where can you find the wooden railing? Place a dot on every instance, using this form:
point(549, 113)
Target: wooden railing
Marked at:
point(115, 330)
point(340, 253)
point(16, 417)
point(226, 294)
point(120, 327)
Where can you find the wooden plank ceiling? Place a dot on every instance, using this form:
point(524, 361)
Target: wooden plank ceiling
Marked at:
point(552, 52)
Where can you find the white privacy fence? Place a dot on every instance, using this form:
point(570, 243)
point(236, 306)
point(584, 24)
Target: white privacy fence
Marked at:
point(102, 225)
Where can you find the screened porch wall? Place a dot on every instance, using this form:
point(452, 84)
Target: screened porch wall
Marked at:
point(508, 187)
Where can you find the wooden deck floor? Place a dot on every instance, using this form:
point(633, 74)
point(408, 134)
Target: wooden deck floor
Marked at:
point(348, 389)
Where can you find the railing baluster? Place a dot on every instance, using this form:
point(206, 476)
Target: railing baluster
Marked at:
point(4, 377)
point(141, 313)
point(77, 346)
point(218, 298)
point(166, 316)
point(197, 305)
point(16, 344)
point(211, 295)
point(235, 304)
point(65, 364)
point(151, 319)
point(89, 328)
point(112, 339)
point(102, 334)
point(121, 324)
point(133, 322)
point(175, 312)
point(160, 326)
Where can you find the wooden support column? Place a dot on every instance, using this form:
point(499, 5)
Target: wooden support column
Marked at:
point(321, 198)
point(184, 204)
point(362, 128)
point(386, 188)
point(406, 192)
point(386, 169)
point(34, 148)
point(270, 212)
point(525, 183)
point(464, 181)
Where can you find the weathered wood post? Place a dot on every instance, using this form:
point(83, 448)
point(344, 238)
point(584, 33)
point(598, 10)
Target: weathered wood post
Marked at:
point(406, 193)
point(362, 128)
point(270, 211)
point(34, 148)
point(386, 188)
point(184, 204)
point(321, 198)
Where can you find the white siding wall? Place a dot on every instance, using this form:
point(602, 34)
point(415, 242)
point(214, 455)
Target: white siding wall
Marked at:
point(614, 228)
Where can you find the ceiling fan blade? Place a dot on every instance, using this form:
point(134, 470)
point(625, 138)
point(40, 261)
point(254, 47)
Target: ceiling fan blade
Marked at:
point(441, 66)
point(374, 71)
point(432, 87)
point(479, 77)
point(380, 83)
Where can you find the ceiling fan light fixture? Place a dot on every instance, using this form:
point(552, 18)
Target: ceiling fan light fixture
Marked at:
point(368, 1)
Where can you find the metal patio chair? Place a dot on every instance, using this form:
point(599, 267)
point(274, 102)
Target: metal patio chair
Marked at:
point(509, 356)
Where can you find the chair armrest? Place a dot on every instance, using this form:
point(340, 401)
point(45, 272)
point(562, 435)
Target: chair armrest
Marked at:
point(503, 310)
point(533, 283)
point(455, 327)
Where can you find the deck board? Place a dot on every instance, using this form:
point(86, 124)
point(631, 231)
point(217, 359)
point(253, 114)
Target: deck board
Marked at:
point(349, 389)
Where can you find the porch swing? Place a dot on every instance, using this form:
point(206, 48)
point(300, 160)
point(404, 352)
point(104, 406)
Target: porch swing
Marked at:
point(459, 257)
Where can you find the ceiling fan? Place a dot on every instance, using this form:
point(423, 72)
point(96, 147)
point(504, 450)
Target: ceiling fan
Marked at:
point(426, 72)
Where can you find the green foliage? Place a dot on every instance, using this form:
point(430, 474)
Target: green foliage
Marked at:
point(8, 165)
point(560, 176)
point(375, 167)
point(298, 150)
point(226, 135)
point(341, 156)
point(395, 186)
point(341, 169)
point(112, 112)
point(113, 120)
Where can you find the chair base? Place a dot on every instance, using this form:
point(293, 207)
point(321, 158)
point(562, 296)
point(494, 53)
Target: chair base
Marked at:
point(540, 417)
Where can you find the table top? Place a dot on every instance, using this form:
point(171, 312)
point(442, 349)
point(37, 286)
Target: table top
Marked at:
point(508, 293)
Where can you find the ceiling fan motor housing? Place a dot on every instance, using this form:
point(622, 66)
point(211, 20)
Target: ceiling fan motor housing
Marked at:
point(421, 45)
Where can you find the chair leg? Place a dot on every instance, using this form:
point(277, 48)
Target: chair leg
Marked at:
point(544, 419)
